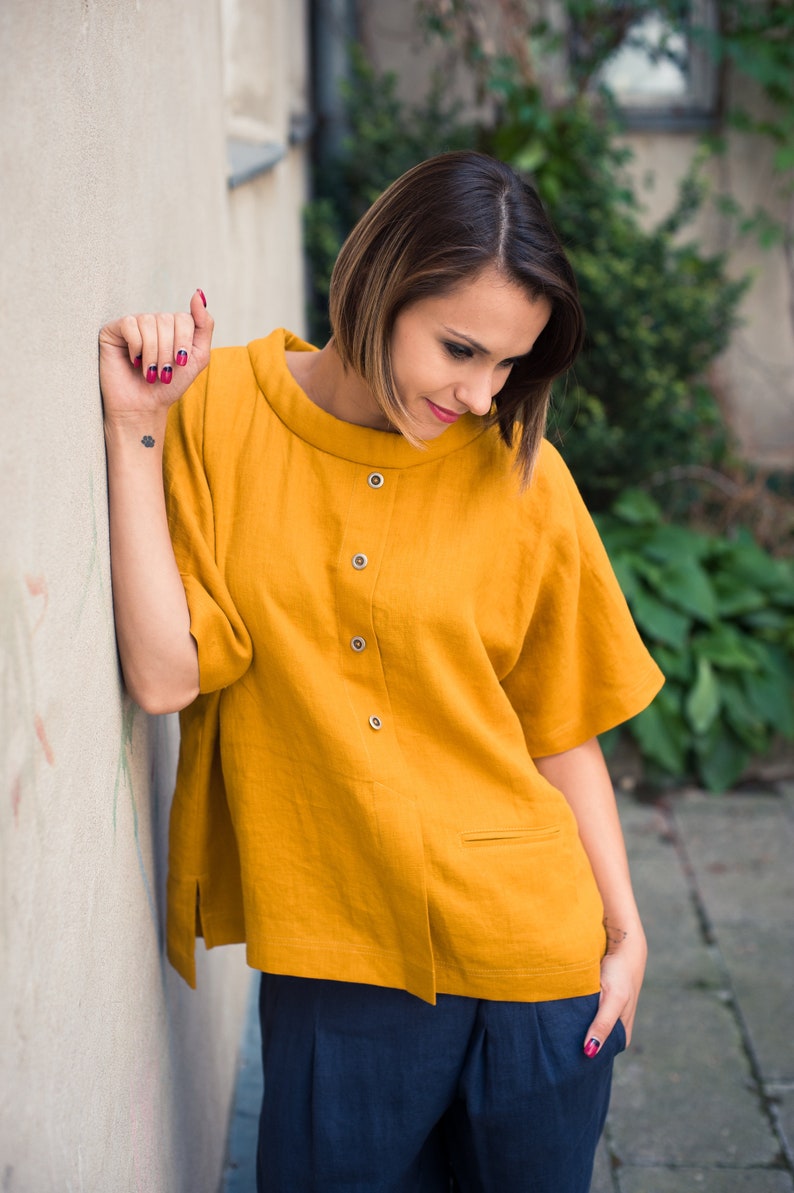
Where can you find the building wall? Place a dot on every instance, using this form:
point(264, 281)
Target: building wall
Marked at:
point(113, 1074)
point(754, 378)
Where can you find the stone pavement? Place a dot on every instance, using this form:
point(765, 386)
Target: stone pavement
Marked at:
point(703, 1102)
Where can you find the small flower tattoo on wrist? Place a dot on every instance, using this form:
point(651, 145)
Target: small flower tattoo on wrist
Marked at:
point(147, 441)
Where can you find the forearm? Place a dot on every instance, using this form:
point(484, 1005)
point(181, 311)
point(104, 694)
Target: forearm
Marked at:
point(581, 775)
point(159, 658)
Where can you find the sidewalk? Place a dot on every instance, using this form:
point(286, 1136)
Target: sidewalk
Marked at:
point(703, 1102)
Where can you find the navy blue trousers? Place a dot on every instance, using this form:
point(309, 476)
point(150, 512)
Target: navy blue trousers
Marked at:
point(371, 1090)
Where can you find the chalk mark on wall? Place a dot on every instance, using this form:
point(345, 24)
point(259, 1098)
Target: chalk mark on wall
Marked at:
point(94, 570)
point(23, 732)
point(37, 587)
point(41, 734)
point(23, 725)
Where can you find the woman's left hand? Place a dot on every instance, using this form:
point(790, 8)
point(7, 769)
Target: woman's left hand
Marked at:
point(622, 972)
point(582, 776)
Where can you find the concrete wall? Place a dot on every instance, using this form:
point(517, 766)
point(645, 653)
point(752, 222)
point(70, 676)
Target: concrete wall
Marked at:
point(755, 378)
point(113, 1074)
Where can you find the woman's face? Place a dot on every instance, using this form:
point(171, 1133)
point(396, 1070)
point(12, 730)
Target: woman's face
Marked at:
point(452, 353)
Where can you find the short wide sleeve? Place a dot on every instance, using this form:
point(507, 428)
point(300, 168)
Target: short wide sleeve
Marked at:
point(224, 645)
point(583, 668)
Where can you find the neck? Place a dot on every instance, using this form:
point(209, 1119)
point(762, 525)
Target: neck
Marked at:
point(335, 389)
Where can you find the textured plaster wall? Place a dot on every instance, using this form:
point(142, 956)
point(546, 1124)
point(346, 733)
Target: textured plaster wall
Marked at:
point(755, 376)
point(113, 1074)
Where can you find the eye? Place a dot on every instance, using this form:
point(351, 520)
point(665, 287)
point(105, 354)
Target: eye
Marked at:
point(458, 351)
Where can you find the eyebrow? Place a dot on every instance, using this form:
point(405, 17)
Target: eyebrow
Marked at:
point(460, 335)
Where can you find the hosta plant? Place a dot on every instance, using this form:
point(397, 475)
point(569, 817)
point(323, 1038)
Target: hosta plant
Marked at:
point(718, 616)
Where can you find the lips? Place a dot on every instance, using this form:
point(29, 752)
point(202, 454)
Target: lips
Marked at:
point(442, 414)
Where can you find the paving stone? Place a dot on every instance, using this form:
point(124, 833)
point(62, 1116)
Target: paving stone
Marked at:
point(785, 1112)
point(700, 1180)
point(760, 961)
point(683, 1094)
point(741, 850)
point(645, 826)
point(240, 1174)
point(677, 953)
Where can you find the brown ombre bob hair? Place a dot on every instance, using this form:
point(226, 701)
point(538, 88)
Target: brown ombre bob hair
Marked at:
point(440, 224)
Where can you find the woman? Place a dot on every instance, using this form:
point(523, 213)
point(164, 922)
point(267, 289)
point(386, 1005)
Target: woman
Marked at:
point(376, 595)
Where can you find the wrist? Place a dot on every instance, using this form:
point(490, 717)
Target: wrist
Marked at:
point(624, 931)
point(143, 428)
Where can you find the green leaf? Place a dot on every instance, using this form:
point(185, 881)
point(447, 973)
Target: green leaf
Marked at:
point(660, 738)
point(626, 576)
point(637, 508)
point(685, 584)
point(702, 704)
point(659, 621)
point(530, 156)
point(650, 571)
point(609, 741)
point(734, 596)
point(672, 544)
point(747, 562)
point(769, 619)
point(675, 664)
point(746, 720)
point(721, 759)
point(772, 696)
point(784, 158)
point(727, 647)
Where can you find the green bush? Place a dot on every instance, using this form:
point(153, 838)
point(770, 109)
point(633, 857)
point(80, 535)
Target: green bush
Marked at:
point(658, 312)
point(385, 138)
point(718, 616)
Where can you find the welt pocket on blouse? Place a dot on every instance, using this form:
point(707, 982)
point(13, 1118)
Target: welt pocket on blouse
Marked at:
point(509, 836)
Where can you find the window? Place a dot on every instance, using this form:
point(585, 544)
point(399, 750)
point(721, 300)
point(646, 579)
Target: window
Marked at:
point(265, 50)
point(663, 76)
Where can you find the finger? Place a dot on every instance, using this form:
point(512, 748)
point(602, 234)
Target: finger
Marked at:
point(147, 325)
point(123, 334)
point(183, 338)
point(203, 328)
point(128, 327)
point(165, 347)
point(602, 1026)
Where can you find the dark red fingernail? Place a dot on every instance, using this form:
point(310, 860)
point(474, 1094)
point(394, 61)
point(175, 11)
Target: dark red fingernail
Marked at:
point(151, 374)
point(136, 364)
point(201, 296)
point(592, 1046)
point(181, 357)
point(166, 374)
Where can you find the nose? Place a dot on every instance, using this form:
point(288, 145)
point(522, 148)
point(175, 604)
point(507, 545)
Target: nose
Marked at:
point(477, 396)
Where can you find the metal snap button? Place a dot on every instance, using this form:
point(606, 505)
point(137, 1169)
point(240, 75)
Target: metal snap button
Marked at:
point(358, 643)
point(359, 562)
point(375, 480)
point(376, 723)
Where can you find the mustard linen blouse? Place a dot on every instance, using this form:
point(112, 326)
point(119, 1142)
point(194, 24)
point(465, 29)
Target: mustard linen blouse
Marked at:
point(387, 636)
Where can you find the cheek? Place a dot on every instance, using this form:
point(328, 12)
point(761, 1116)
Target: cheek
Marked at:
point(500, 380)
point(414, 370)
